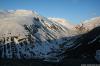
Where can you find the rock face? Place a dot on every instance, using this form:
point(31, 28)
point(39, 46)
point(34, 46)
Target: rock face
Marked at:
point(25, 34)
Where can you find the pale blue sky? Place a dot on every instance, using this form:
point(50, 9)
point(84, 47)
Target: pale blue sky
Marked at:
point(72, 10)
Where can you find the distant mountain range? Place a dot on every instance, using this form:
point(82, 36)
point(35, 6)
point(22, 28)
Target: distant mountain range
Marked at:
point(25, 34)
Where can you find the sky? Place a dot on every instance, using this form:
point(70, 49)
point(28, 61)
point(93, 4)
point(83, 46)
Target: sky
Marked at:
point(74, 11)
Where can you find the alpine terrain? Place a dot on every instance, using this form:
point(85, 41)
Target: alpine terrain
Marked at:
point(24, 34)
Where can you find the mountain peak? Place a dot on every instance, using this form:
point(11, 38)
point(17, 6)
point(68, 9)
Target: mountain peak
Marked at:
point(63, 22)
point(23, 12)
point(92, 19)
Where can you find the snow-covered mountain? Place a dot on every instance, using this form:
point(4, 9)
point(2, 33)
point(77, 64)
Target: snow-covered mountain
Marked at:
point(24, 34)
point(92, 23)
